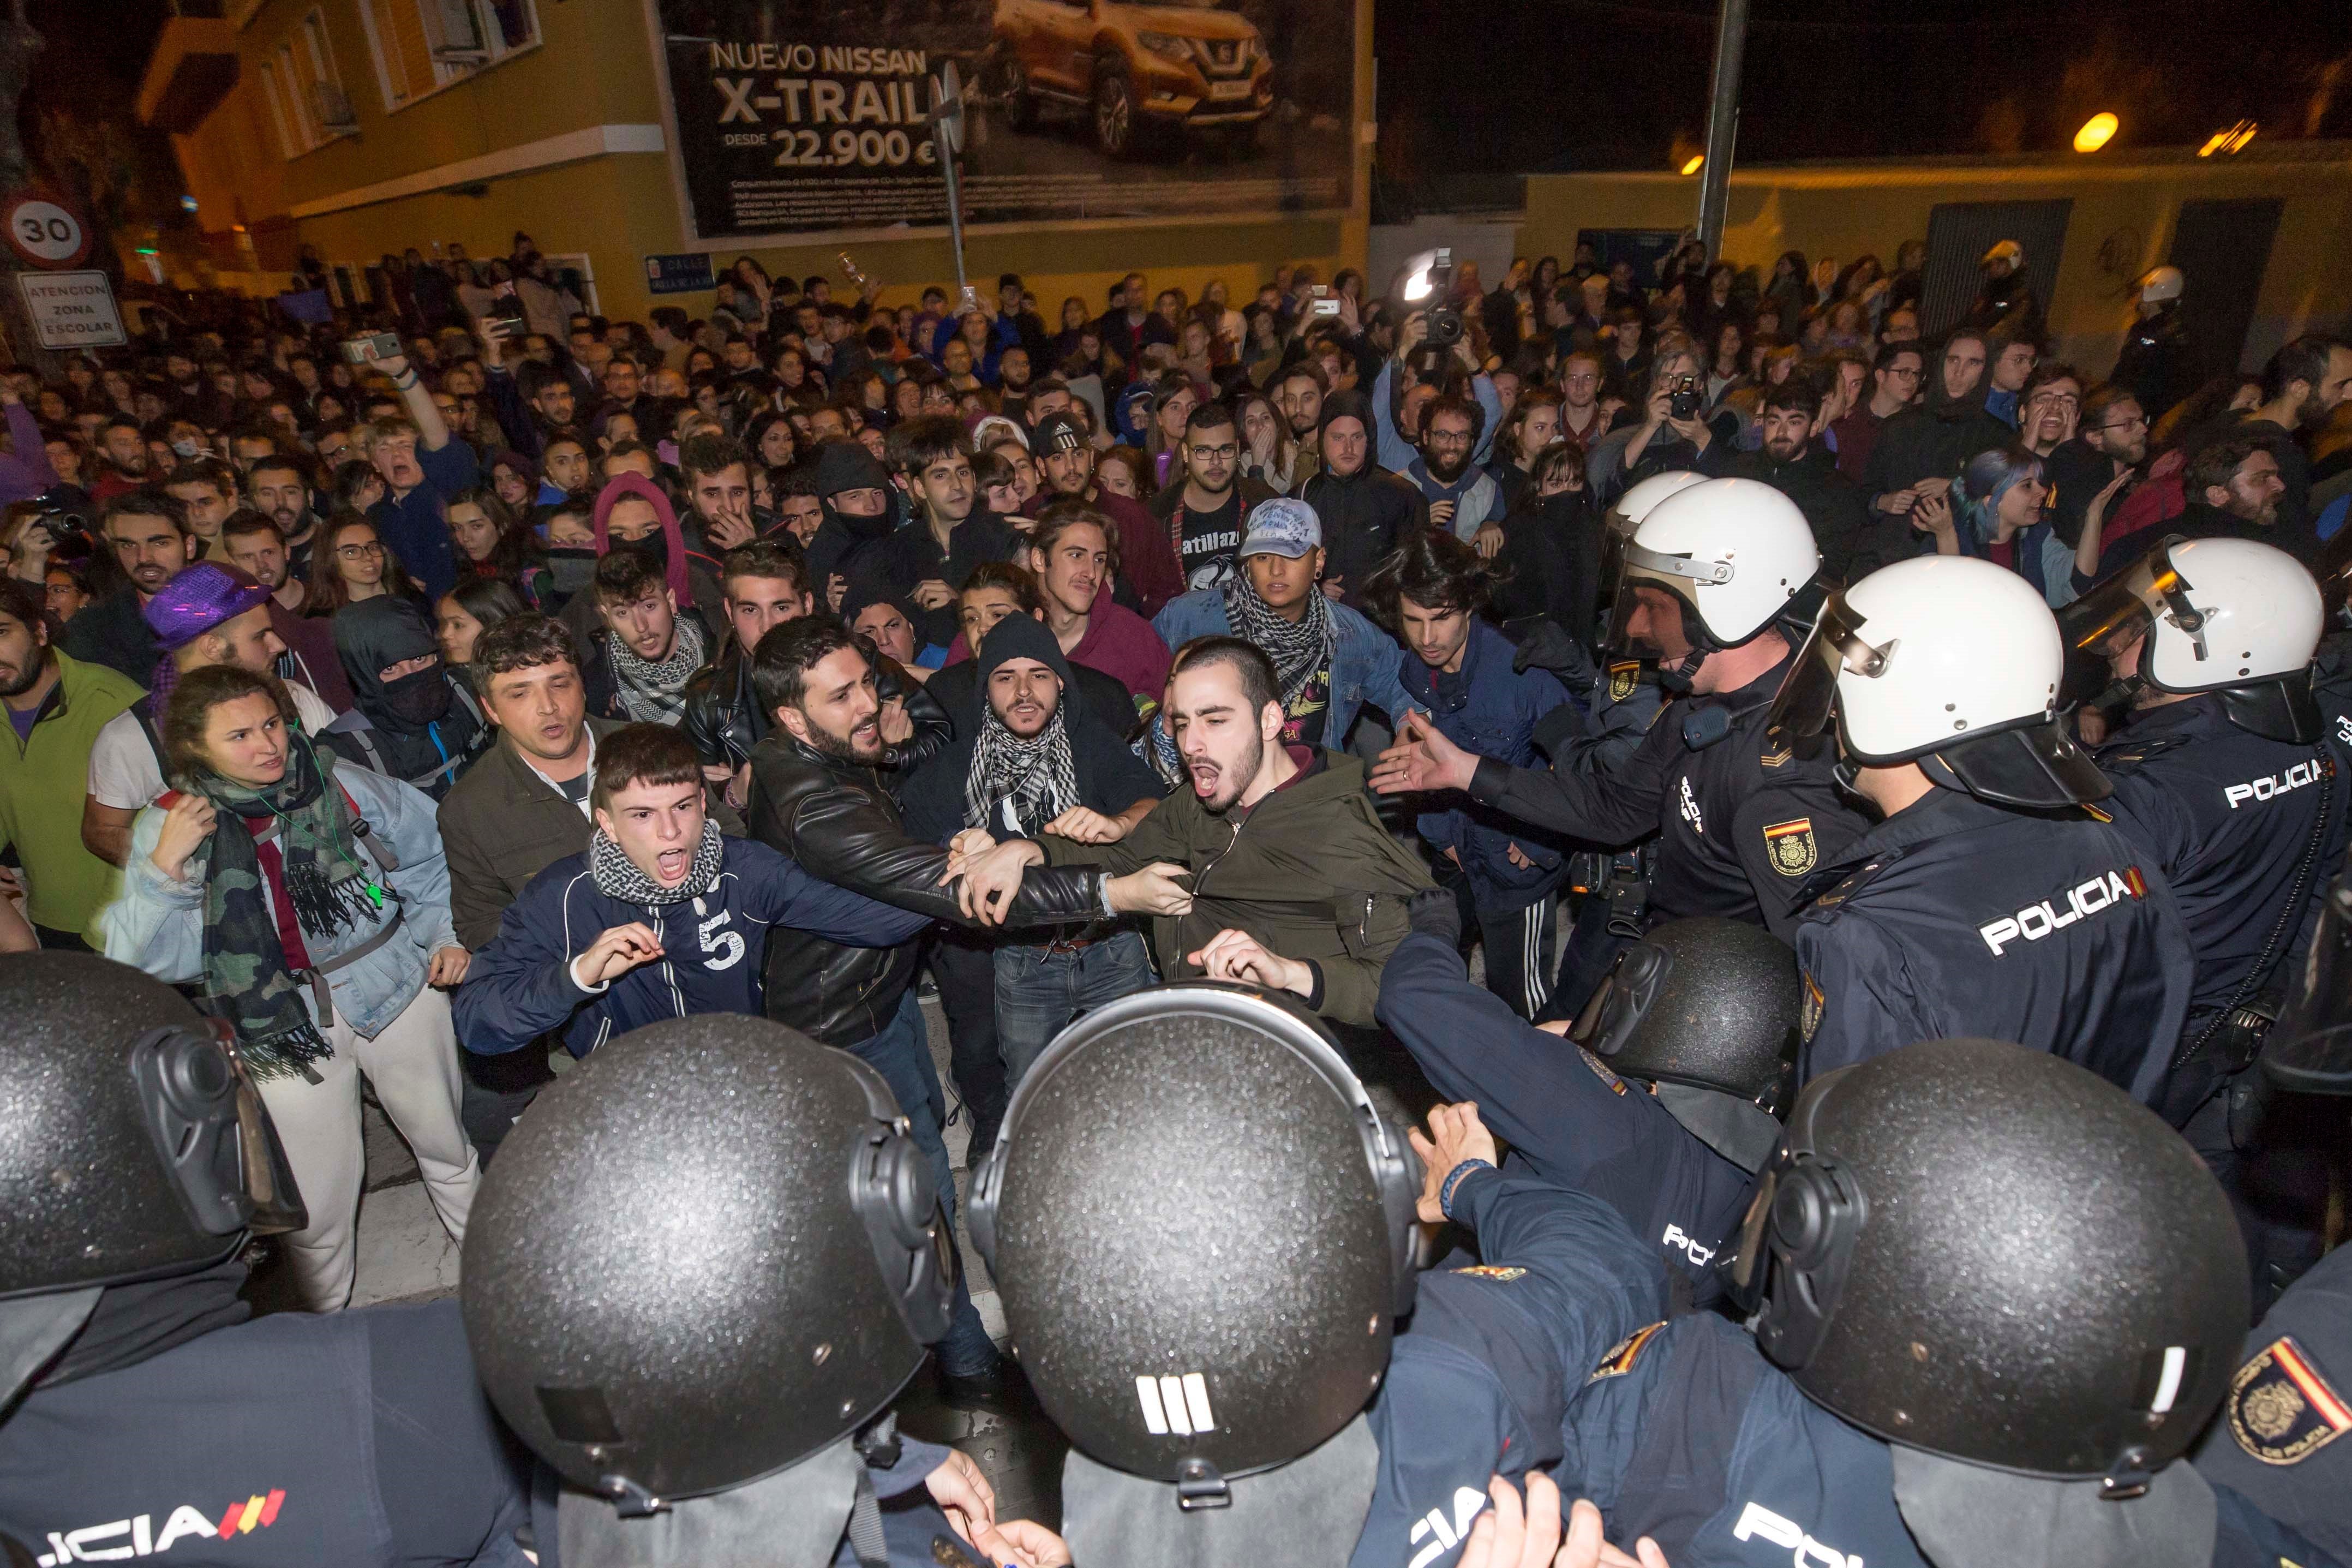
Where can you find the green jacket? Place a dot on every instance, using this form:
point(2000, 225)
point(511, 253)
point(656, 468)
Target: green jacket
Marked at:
point(42, 782)
point(1310, 873)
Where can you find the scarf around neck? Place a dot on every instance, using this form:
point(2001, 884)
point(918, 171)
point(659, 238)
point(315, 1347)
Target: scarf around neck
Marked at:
point(653, 691)
point(1298, 648)
point(1038, 775)
point(617, 876)
point(246, 978)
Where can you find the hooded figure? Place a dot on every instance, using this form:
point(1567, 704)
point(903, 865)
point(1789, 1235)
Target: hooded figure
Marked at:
point(843, 537)
point(1366, 514)
point(420, 727)
point(668, 546)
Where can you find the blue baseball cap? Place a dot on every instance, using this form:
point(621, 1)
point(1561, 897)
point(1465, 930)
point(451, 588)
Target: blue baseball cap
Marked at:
point(1282, 526)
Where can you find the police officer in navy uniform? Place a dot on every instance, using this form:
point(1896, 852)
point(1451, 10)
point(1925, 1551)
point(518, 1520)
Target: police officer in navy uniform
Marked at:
point(1662, 1101)
point(155, 1419)
point(1705, 582)
point(2230, 778)
point(1205, 1236)
point(1918, 1386)
point(1987, 902)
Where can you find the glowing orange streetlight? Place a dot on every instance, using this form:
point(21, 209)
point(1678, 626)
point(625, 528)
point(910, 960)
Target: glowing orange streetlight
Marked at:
point(1693, 163)
point(2096, 132)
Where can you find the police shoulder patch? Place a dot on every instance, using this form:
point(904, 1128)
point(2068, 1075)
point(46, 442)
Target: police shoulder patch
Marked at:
point(1791, 846)
point(2095, 815)
point(1623, 678)
point(1809, 1015)
point(1616, 1084)
point(1624, 1354)
point(1776, 755)
point(2282, 1410)
point(1493, 1271)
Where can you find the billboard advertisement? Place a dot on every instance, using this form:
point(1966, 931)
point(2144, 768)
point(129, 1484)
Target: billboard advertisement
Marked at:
point(802, 117)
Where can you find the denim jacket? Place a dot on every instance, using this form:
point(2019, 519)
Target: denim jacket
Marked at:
point(1363, 658)
point(158, 923)
point(1491, 710)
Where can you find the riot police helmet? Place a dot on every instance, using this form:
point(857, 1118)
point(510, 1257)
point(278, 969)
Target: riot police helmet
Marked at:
point(1729, 555)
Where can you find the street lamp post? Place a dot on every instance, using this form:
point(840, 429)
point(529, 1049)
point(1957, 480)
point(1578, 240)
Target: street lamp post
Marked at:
point(1722, 123)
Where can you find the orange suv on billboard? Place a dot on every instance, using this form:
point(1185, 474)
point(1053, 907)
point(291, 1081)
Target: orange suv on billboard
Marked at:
point(1138, 73)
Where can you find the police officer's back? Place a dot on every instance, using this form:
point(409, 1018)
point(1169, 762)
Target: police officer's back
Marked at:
point(159, 1421)
point(1705, 582)
point(1920, 1387)
point(2155, 360)
point(1986, 902)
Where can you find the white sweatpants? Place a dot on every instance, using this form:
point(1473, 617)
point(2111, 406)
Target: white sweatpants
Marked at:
point(414, 1066)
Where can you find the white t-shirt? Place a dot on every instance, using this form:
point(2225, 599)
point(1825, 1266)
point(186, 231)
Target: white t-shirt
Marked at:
point(123, 772)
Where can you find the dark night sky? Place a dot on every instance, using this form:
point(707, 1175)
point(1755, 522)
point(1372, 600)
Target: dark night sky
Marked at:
point(1509, 85)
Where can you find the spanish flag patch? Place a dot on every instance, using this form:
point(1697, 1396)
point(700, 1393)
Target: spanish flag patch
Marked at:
point(2282, 1411)
point(1624, 1354)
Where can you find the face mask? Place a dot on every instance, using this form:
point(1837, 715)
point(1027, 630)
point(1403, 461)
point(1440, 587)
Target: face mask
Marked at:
point(415, 700)
point(655, 544)
point(571, 568)
point(185, 448)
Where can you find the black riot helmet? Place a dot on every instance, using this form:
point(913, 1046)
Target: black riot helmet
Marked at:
point(2310, 1048)
point(136, 1147)
point(1708, 1011)
point(708, 1253)
point(1993, 1256)
point(1202, 1228)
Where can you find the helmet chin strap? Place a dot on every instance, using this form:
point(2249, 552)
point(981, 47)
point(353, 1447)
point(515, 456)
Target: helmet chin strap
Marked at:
point(1678, 679)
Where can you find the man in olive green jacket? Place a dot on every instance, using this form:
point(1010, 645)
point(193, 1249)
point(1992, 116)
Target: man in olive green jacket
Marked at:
point(1294, 884)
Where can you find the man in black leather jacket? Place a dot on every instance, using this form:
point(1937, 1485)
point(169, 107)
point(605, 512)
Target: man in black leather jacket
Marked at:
point(818, 794)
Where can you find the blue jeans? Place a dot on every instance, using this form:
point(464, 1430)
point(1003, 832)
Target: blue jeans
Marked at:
point(901, 1053)
point(1039, 990)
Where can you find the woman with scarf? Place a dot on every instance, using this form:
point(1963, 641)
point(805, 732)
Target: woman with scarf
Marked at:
point(411, 719)
point(306, 905)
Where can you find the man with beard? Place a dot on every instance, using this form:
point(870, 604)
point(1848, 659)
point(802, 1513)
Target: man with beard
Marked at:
point(1310, 889)
point(208, 615)
point(1790, 463)
point(1012, 379)
point(2236, 491)
point(2110, 443)
point(1365, 511)
point(1203, 510)
point(252, 544)
point(648, 648)
point(765, 585)
point(718, 475)
point(280, 490)
point(56, 704)
point(410, 719)
point(1463, 496)
point(2302, 386)
point(854, 488)
point(952, 533)
point(1330, 660)
point(1065, 461)
point(818, 794)
point(1921, 450)
point(1298, 397)
point(1034, 760)
point(121, 448)
point(148, 531)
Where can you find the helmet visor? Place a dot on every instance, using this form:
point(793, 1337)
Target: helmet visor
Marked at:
point(1808, 695)
point(2110, 616)
point(1620, 1002)
point(1680, 576)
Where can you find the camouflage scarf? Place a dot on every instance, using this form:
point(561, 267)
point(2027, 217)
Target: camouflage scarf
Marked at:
point(245, 977)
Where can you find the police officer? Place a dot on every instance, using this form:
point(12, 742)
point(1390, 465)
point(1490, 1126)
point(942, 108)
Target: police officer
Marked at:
point(1919, 1386)
point(1700, 1014)
point(1203, 1232)
point(1985, 903)
point(1705, 583)
point(2230, 779)
point(155, 1419)
point(709, 1261)
point(2155, 359)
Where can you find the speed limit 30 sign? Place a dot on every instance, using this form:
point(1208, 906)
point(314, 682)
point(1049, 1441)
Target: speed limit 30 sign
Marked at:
point(44, 233)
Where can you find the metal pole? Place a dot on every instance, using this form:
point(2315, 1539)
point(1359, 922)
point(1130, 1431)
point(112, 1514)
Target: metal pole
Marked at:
point(1722, 123)
point(955, 211)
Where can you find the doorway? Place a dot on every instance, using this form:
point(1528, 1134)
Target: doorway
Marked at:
point(2222, 249)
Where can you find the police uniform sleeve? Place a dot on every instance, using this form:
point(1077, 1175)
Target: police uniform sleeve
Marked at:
point(1613, 805)
point(2148, 814)
point(1859, 995)
point(1601, 1281)
point(1782, 833)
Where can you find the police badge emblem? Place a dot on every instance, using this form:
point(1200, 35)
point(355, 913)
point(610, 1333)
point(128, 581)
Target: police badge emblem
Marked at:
point(1623, 678)
point(1791, 846)
point(2282, 1411)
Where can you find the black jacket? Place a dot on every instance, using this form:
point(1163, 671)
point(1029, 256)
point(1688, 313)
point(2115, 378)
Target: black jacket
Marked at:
point(1365, 515)
point(1550, 566)
point(1832, 505)
point(725, 722)
point(1932, 442)
point(112, 632)
point(2156, 362)
point(839, 822)
point(911, 556)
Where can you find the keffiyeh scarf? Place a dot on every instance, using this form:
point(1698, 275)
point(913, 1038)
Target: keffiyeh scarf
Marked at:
point(617, 876)
point(246, 978)
point(1038, 775)
point(653, 691)
point(1298, 648)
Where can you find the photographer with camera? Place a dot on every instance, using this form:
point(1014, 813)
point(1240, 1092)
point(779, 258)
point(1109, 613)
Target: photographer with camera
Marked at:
point(1671, 434)
point(1431, 348)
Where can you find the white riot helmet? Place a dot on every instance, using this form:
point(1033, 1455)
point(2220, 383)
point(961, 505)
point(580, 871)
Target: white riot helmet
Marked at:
point(1731, 553)
point(2218, 615)
point(1952, 663)
point(1638, 500)
point(2159, 284)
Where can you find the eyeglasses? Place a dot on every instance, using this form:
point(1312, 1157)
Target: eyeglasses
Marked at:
point(2137, 422)
point(358, 552)
point(1229, 450)
point(1899, 373)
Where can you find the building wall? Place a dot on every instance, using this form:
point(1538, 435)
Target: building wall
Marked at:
point(1845, 211)
point(587, 86)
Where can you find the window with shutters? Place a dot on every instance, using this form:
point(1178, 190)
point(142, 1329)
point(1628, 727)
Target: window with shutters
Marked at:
point(305, 91)
point(423, 46)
